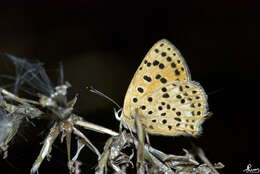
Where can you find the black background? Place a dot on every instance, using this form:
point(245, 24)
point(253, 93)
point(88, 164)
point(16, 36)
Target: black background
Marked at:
point(102, 44)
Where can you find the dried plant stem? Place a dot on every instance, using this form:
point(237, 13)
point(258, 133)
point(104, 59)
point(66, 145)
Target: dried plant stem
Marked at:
point(18, 99)
point(86, 141)
point(203, 157)
point(46, 149)
point(95, 127)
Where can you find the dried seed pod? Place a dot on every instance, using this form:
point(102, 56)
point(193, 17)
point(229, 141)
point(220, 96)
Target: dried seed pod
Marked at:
point(9, 125)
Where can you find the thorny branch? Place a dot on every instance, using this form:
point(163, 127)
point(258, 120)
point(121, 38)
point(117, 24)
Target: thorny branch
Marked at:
point(53, 103)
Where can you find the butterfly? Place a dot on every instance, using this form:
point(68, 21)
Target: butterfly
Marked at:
point(162, 91)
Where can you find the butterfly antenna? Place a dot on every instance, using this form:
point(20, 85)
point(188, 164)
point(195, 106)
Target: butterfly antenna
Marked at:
point(95, 91)
point(215, 91)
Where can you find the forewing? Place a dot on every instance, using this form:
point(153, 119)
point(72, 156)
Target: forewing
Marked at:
point(161, 65)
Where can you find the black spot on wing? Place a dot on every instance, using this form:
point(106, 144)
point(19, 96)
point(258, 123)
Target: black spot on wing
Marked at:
point(164, 121)
point(177, 72)
point(147, 78)
point(155, 63)
point(143, 107)
point(177, 119)
point(158, 76)
point(163, 54)
point(135, 100)
point(166, 95)
point(140, 89)
point(163, 114)
point(163, 80)
point(161, 66)
point(173, 65)
point(164, 89)
point(178, 113)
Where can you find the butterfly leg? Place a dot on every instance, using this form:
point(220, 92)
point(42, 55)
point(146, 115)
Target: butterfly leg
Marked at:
point(147, 138)
point(141, 138)
point(120, 127)
point(209, 115)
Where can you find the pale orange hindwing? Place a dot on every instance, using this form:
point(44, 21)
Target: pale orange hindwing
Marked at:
point(177, 108)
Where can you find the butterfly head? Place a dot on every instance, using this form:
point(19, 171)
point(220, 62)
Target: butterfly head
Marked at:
point(125, 121)
point(118, 114)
